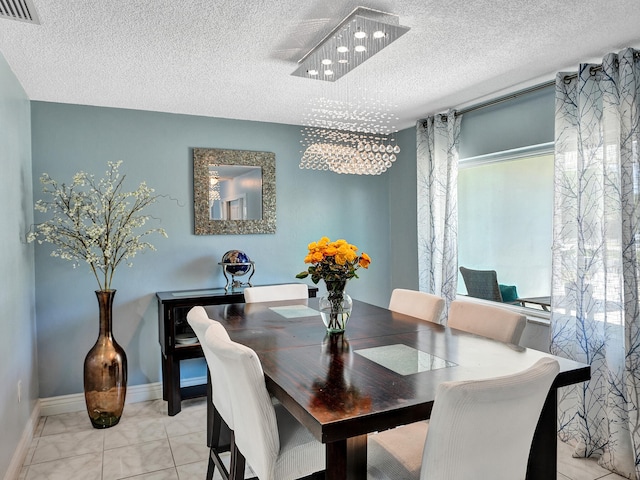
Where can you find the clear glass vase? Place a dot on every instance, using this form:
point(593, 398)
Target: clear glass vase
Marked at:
point(105, 370)
point(335, 307)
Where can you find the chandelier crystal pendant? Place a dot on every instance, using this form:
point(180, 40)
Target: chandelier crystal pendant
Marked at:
point(214, 186)
point(349, 130)
point(354, 139)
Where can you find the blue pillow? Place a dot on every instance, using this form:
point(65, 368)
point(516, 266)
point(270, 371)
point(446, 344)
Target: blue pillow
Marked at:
point(509, 293)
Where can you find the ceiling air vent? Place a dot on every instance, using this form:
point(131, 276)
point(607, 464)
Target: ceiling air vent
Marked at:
point(20, 10)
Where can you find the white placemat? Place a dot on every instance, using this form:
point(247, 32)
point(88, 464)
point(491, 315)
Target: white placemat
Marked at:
point(403, 359)
point(295, 311)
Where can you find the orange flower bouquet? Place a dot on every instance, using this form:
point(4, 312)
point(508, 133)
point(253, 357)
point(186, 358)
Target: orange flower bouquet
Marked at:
point(335, 263)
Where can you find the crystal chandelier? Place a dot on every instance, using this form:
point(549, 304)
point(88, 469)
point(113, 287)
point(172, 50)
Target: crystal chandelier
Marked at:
point(346, 135)
point(348, 138)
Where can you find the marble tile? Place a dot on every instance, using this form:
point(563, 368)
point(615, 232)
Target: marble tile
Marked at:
point(194, 404)
point(168, 474)
point(185, 422)
point(23, 473)
point(39, 427)
point(611, 476)
point(150, 409)
point(28, 458)
point(581, 468)
point(66, 422)
point(194, 471)
point(63, 445)
point(198, 470)
point(189, 448)
point(81, 467)
point(147, 444)
point(133, 432)
point(133, 460)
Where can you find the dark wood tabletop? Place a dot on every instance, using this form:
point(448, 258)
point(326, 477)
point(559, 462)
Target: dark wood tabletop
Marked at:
point(340, 390)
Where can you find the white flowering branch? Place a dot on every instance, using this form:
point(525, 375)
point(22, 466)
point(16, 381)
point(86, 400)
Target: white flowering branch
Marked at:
point(95, 222)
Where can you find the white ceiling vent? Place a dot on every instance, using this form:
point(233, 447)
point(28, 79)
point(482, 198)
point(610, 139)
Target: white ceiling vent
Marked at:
point(20, 10)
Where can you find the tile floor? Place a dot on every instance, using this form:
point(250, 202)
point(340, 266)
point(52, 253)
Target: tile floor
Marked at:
point(147, 444)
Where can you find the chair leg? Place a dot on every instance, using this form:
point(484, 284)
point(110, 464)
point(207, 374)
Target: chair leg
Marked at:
point(215, 441)
point(236, 470)
point(218, 445)
point(217, 429)
point(210, 467)
point(211, 413)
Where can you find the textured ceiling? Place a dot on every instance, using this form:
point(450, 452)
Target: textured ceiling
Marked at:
point(234, 59)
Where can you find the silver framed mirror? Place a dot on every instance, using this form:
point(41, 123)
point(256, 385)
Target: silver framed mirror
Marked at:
point(234, 192)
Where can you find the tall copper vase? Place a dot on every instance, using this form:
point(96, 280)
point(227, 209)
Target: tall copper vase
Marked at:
point(105, 370)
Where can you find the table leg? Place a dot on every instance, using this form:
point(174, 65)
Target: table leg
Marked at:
point(165, 387)
point(543, 457)
point(173, 387)
point(347, 459)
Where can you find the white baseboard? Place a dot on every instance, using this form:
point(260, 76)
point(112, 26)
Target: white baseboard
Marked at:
point(136, 393)
point(13, 472)
point(75, 401)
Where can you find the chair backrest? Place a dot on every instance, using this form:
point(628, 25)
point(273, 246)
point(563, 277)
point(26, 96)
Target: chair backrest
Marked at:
point(486, 320)
point(255, 427)
point(201, 324)
point(417, 304)
point(274, 293)
point(484, 428)
point(482, 284)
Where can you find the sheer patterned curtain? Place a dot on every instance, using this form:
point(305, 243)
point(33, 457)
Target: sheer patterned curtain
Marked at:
point(595, 314)
point(437, 165)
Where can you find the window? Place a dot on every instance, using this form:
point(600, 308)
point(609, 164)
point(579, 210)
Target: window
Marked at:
point(505, 207)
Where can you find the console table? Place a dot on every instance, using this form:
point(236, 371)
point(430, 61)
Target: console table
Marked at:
point(177, 340)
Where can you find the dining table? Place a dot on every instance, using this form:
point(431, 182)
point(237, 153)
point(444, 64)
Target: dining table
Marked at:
point(381, 373)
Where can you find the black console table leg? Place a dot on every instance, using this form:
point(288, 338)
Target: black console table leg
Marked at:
point(165, 374)
point(172, 381)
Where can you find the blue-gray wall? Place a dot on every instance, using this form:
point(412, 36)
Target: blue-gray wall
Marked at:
point(156, 147)
point(18, 338)
point(403, 214)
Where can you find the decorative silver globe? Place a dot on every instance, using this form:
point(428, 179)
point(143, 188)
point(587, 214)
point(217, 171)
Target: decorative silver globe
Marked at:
point(236, 263)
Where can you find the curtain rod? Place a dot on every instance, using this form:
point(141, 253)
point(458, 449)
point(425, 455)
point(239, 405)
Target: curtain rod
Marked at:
point(551, 83)
point(535, 88)
point(495, 101)
point(593, 69)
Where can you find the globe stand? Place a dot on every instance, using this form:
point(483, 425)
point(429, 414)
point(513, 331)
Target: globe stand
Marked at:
point(232, 282)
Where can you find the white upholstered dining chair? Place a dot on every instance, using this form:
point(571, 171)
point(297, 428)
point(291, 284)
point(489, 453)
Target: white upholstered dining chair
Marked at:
point(273, 443)
point(274, 293)
point(417, 304)
point(479, 429)
point(218, 406)
point(486, 320)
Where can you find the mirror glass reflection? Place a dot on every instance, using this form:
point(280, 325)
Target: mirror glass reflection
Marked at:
point(235, 192)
